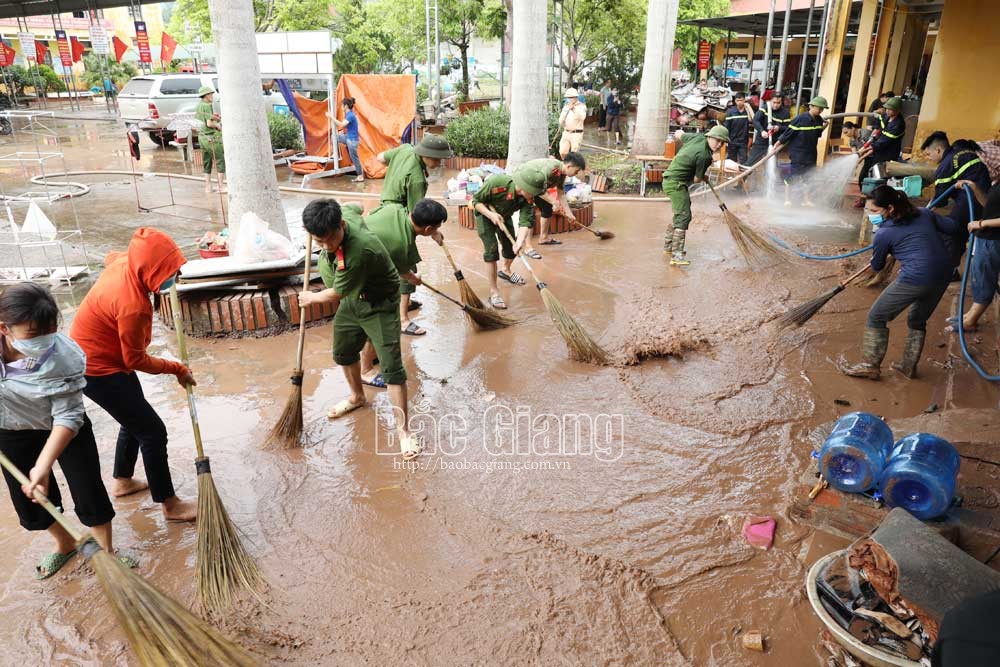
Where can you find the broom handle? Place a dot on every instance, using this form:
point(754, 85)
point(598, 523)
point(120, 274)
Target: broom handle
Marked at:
point(722, 204)
point(521, 256)
point(302, 309)
point(42, 499)
point(582, 226)
point(175, 305)
point(440, 293)
point(857, 274)
point(454, 267)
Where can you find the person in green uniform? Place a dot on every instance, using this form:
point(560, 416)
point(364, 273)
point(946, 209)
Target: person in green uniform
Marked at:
point(209, 138)
point(362, 284)
point(688, 166)
point(556, 172)
point(495, 203)
point(406, 175)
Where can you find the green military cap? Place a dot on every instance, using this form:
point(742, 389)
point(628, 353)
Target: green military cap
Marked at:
point(819, 102)
point(434, 146)
point(530, 180)
point(719, 132)
point(205, 90)
point(894, 103)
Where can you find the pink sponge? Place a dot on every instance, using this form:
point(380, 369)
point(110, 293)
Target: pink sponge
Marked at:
point(759, 531)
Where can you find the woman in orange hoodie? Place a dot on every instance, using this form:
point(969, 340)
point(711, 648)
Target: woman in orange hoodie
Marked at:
point(114, 326)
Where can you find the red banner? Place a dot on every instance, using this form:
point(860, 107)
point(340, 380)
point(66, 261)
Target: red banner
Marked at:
point(6, 55)
point(142, 41)
point(167, 47)
point(65, 54)
point(120, 48)
point(40, 51)
point(78, 48)
point(704, 55)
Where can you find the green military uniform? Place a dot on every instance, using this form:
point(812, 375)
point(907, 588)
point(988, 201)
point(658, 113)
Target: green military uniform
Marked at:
point(405, 178)
point(692, 161)
point(391, 224)
point(363, 274)
point(554, 178)
point(499, 193)
point(209, 138)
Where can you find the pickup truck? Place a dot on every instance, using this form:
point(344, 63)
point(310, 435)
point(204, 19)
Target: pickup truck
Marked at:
point(149, 100)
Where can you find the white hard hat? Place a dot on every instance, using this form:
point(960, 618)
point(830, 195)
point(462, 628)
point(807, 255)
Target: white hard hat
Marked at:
point(571, 92)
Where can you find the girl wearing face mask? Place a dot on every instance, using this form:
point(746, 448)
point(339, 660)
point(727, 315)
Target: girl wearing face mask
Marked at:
point(913, 236)
point(43, 421)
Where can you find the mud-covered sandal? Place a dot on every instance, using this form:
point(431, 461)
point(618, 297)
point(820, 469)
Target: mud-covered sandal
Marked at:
point(342, 408)
point(497, 302)
point(410, 447)
point(51, 564)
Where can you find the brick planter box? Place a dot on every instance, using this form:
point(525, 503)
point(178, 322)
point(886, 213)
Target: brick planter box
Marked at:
point(459, 163)
point(241, 312)
point(557, 225)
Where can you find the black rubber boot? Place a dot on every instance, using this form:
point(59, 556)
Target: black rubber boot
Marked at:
point(873, 346)
point(911, 353)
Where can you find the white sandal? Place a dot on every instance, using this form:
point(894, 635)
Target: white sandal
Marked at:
point(410, 447)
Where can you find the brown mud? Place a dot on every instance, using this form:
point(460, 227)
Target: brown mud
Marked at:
point(564, 514)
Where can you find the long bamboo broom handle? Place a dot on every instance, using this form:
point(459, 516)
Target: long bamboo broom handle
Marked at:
point(440, 293)
point(538, 283)
point(175, 305)
point(451, 260)
point(302, 311)
point(583, 226)
point(42, 499)
point(722, 204)
point(854, 276)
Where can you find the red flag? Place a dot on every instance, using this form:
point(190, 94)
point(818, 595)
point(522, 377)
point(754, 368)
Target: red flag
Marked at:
point(78, 49)
point(120, 48)
point(40, 50)
point(167, 47)
point(7, 56)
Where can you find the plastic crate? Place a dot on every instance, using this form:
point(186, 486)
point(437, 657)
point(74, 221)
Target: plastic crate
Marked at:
point(913, 185)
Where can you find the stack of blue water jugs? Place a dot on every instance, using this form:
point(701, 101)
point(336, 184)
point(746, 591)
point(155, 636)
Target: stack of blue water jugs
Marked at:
point(918, 473)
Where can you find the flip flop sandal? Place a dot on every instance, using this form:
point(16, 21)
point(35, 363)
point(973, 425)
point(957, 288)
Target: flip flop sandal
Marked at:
point(550, 242)
point(342, 408)
point(51, 564)
point(498, 302)
point(378, 382)
point(533, 254)
point(413, 330)
point(410, 447)
point(414, 305)
point(513, 278)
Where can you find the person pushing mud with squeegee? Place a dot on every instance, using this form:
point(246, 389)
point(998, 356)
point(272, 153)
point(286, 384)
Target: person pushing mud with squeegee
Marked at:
point(362, 284)
point(688, 166)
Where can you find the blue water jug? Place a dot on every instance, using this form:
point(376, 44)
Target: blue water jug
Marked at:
point(854, 454)
point(920, 476)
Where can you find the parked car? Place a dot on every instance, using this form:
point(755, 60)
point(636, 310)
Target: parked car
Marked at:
point(149, 101)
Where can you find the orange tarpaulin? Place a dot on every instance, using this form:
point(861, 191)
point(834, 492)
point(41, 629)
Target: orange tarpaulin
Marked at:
point(385, 105)
point(317, 125)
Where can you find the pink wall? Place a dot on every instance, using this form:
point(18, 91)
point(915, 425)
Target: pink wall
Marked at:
point(758, 6)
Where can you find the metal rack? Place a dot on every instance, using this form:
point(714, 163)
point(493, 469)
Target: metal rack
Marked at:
point(61, 258)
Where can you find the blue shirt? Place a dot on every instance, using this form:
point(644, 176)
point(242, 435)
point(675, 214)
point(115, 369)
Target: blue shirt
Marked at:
point(917, 245)
point(801, 137)
point(44, 392)
point(352, 126)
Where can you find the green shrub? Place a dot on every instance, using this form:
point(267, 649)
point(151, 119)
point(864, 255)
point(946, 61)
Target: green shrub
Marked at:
point(286, 132)
point(485, 133)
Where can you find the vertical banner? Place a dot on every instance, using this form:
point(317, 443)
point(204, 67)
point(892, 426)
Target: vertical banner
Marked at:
point(142, 40)
point(704, 55)
point(65, 54)
point(99, 40)
point(27, 41)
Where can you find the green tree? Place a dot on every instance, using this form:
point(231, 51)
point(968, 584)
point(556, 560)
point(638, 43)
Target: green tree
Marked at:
point(190, 18)
point(405, 21)
point(686, 38)
point(120, 72)
point(366, 45)
point(595, 31)
point(460, 20)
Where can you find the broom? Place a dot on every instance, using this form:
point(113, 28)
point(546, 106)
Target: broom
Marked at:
point(159, 630)
point(224, 566)
point(485, 319)
point(752, 246)
point(581, 346)
point(802, 314)
point(599, 233)
point(288, 430)
point(883, 275)
point(469, 296)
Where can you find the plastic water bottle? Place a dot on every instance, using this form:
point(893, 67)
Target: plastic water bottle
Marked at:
point(920, 476)
point(854, 454)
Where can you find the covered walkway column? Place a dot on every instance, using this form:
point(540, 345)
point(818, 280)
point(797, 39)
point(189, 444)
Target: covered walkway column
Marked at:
point(895, 49)
point(962, 95)
point(859, 70)
point(913, 49)
point(832, 51)
point(881, 54)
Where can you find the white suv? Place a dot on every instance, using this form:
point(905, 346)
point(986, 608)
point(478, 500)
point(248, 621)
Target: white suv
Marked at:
point(149, 101)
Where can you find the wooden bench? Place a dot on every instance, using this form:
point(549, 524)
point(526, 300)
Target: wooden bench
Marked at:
point(648, 162)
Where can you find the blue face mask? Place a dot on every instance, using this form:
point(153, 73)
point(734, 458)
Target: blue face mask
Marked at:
point(33, 347)
point(876, 219)
point(168, 283)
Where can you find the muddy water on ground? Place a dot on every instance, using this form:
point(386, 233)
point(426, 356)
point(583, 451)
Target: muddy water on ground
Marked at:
point(501, 547)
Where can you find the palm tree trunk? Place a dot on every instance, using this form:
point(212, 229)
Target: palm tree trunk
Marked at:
point(528, 126)
point(508, 36)
point(653, 114)
point(253, 185)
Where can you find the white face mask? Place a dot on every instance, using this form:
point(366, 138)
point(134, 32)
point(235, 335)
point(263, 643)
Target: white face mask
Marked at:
point(33, 347)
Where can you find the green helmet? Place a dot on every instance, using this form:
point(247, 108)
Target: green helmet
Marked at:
point(529, 180)
point(434, 146)
point(720, 133)
point(205, 90)
point(894, 103)
point(819, 102)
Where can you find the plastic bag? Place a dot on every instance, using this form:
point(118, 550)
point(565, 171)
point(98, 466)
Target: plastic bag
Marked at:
point(37, 224)
point(255, 242)
point(580, 194)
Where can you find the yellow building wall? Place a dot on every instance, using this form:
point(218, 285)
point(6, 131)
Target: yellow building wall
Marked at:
point(962, 96)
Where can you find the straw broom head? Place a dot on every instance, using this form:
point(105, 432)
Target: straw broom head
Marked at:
point(225, 568)
point(288, 431)
point(159, 630)
point(603, 235)
point(753, 247)
point(487, 319)
point(581, 346)
point(469, 296)
point(805, 312)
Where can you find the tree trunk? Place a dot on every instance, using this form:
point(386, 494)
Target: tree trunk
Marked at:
point(464, 51)
point(253, 185)
point(508, 36)
point(653, 114)
point(528, 126)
